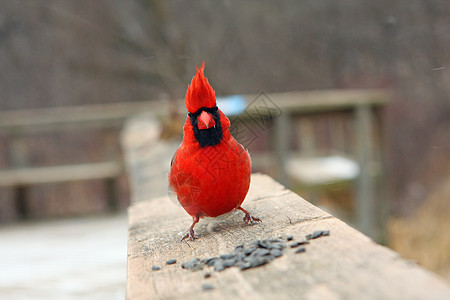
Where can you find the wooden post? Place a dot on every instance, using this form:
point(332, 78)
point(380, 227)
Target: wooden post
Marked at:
point(281, 146)
point(18, 158)
point(306, 137)
point(365, 197)
point(112, 193)
point(111, 184)
point(381, 180)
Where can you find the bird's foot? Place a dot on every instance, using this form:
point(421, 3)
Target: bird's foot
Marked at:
point(248, 218)
point(190, 235)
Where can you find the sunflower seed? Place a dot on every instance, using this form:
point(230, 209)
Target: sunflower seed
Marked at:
point(276, 252)
point(239, 247)
point(261, 252)
point(229, 262)
point(227, 256)
point(209, 261)
point(277, 245)
point(192, 263)
point(207, 287)
point(258, 261)
point(296, 244)
point(300, 250)
point(218, 265)
point(317, 234)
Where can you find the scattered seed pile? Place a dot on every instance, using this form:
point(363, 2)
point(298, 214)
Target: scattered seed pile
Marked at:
point(257, 254)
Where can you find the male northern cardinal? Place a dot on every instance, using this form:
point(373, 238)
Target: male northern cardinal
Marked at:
point(210, 171)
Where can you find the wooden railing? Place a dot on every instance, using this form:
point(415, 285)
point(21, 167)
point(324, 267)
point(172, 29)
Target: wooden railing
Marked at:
point(17, 126)
point(363, 108)
point(278, 116)
point(280, 108)
point(344, 264)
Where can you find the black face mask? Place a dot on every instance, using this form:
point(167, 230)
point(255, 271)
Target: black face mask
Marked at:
point(211, 136)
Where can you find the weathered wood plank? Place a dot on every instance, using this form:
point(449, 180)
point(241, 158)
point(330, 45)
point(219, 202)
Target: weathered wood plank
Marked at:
point(55, 174)
point(318, 101)
point(344, 265)
point(113, 114)
point(76, 117)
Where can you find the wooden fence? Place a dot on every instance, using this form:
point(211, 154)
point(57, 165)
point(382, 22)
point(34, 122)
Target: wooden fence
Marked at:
point(276, 117)
point(17, 126)
point(279, 108)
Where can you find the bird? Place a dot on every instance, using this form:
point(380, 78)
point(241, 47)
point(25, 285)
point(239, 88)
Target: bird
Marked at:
point(210, 171)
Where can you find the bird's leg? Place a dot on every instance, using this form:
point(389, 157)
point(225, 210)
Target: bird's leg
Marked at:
point(190, 234)
point(248, 218)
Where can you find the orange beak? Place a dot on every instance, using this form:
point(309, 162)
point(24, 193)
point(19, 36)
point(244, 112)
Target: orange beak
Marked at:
point(205, 120)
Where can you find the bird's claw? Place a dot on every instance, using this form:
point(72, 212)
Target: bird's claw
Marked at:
point(250, 220)
point(190, 235)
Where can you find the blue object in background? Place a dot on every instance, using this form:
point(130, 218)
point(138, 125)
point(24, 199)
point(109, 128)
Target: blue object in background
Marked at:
point(232, 105)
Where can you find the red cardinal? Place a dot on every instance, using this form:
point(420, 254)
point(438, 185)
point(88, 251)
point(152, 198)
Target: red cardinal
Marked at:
point(210, 171)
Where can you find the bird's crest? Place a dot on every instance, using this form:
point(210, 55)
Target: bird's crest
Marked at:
point(199, 93)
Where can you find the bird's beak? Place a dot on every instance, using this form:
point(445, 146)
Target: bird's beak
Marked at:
point(205, 120)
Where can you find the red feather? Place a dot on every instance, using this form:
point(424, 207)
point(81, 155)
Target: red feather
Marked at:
point(209, 180)
point(199, 93)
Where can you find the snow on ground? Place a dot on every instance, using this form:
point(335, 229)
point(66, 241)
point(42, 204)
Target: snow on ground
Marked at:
point(79, 258)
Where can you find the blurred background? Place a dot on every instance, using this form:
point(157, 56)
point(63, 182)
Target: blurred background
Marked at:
point(75, 73)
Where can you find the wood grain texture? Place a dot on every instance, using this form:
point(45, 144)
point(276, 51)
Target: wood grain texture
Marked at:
point(344, 265)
